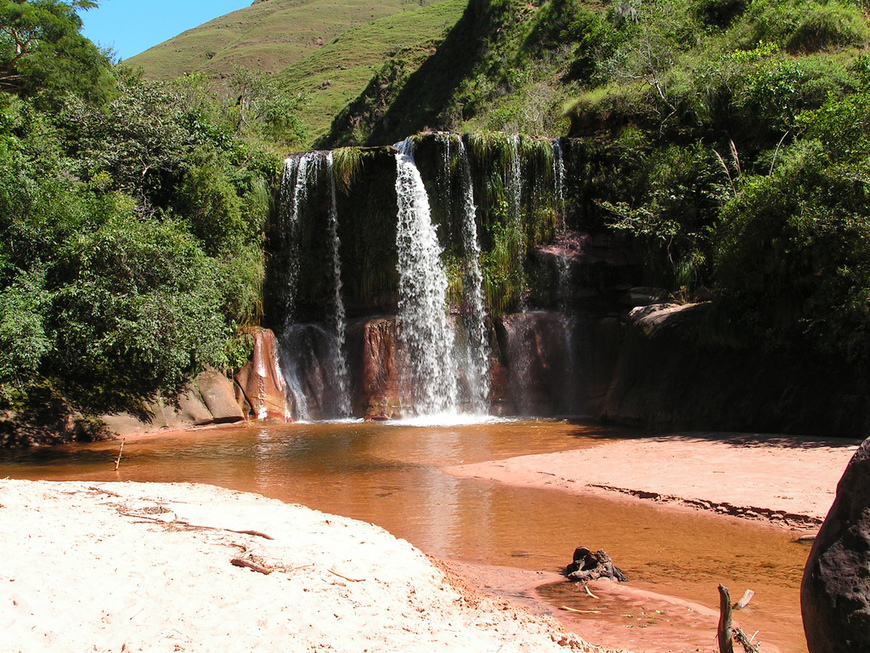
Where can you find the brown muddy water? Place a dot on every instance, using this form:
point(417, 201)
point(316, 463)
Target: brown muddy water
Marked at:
point(389, 474)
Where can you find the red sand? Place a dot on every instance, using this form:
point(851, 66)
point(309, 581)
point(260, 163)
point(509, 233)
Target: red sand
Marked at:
point(785, 480)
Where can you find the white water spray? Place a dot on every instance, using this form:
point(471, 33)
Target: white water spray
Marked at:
point(474, 318)
point(559, 183)
point(423, 325)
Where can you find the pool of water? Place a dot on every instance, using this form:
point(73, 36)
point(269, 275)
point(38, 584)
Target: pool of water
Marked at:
point(390, 474)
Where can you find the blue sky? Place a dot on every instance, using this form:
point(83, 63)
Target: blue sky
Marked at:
point(131, 26)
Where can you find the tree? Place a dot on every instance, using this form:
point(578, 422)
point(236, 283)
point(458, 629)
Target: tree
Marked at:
point(135, 308)
point(42, 50)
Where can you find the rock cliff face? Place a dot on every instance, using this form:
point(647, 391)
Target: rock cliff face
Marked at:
point(835, 592)
point(570, 329)
point(208, 399)
point(648, 371)
point(260, 389)
point(666, 379)
point(375, 364)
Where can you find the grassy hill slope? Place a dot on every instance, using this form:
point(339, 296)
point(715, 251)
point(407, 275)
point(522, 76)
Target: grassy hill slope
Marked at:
point(339, 71)
point(487, 74)
point(267, 36)
point(325, 50)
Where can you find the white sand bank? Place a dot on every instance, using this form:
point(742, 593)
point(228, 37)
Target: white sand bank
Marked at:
point(129, 567)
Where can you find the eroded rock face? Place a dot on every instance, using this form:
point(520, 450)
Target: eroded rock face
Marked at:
point(375, 368)
point(219, 397)
point(208, 399)
point(260, 384)
point(835, 592)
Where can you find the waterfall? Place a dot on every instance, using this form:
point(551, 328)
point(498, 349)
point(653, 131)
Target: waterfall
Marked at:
point(312, 358)
point(515, 180)
point(474, 297)
point(423, 325)
point(515, 187)
point(559, 183)
point(294, 188)
point(339, 319)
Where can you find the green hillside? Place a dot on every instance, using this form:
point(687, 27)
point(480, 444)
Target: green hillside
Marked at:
point(326, 50)
point(338, 72)
point(268, 36)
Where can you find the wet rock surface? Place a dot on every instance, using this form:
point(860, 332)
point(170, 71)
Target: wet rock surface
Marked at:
point(374, 363)
point(260, 387)
point(835, 592)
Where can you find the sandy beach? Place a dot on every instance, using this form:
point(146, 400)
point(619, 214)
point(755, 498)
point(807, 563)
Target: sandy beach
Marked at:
point(148, 567)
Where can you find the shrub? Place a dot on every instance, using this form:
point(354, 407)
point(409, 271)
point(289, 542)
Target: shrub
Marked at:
point(828, 26)
point(23, 339)
point(793, 255)
point(135, 308)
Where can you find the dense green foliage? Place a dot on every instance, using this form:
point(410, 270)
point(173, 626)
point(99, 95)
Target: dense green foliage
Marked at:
point(131, 215)
point(736, 135)
point(42, 52)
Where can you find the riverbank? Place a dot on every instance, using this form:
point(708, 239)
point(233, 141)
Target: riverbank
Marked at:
point(786, 481)
point(644, 615)
point(175, 567)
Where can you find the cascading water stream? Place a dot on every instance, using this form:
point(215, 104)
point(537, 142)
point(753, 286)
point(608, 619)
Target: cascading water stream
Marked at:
point(559, 184)
point(563, 262)
point(474, 317)
point(515, 180)
point(514, 185)
point(294, 186)
point(305, 347)
point(339, 318)
point(423, 325)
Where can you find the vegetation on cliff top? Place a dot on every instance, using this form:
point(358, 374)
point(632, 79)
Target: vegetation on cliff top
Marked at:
point(727, 138)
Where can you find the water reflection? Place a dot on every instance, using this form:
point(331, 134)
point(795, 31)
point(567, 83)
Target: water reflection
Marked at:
point(389, 474)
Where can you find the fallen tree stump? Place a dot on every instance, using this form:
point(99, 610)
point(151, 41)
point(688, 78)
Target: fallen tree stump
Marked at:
point(588, 566)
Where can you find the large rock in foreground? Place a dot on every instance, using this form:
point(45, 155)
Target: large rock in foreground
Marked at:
point(835, 592)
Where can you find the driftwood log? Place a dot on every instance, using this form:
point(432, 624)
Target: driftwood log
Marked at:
point(588, 566)
point(727, 633)
point(253, 566)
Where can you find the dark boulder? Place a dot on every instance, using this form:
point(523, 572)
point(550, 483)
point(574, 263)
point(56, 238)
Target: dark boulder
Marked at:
point(835, 592)
point(588, 566)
